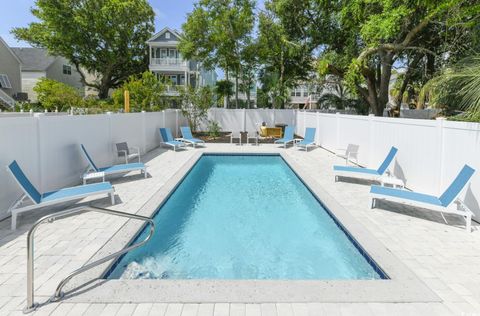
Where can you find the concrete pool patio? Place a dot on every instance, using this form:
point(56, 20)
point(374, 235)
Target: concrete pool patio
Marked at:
point(444, 257)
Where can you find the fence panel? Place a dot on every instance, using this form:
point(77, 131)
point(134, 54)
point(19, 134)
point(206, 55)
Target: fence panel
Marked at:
point(61, 161)
point(461, 145)
point(18, 141)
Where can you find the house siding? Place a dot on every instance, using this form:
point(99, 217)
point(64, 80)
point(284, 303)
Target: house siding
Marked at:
point(163, 39)
point(55, 72)
point(10, 66)
point(29, 80)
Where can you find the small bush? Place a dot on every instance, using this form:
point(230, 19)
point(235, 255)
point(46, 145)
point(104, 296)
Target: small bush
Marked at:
point(213, 129)
point(54, 95)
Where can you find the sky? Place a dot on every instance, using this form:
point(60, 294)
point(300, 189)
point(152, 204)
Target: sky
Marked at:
point(16, 13)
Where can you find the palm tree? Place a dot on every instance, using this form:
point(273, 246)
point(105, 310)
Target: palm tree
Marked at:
point(460, 83)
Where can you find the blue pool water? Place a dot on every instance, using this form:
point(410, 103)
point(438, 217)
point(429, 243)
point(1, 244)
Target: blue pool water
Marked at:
point(245, 217)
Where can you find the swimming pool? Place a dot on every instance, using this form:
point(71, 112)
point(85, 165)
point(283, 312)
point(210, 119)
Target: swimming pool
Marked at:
point(246, 217)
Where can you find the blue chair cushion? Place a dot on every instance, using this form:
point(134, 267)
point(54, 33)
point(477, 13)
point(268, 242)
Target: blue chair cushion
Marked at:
point(22, 179)
point(356, 170)
point(407, 195)
point(69, 193)
point(123, 168)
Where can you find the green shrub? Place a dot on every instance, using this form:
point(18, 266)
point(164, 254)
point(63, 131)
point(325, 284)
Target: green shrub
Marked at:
point(54, 95)
point(213, 129)
point(146, 93)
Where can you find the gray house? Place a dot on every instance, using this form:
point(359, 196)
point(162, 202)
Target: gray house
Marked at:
point(37, 63)
point(10, 75)
point(166, 60)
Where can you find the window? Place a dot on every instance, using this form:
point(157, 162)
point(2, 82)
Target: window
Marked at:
point(298, 93)
point(172, 53)
point(163, 53)
point(167, 35)
point(292, 94)
point(67, 70)
point(182, 80)
point(173, 78)
point(305, 94)
point(5, 82)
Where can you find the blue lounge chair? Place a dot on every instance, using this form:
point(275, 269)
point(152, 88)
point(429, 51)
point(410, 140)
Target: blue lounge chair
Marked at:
point(50, 198)
point(188, 138)
point(167, 139)
point(309, 139)
point(440, 204)
point(93, 170)
point(365, 173)
point(287, 137)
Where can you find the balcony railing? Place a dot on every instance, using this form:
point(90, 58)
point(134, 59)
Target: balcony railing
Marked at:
point(176, 62)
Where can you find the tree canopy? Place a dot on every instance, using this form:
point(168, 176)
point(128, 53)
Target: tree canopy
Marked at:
point(216, 33)
point(106, 38)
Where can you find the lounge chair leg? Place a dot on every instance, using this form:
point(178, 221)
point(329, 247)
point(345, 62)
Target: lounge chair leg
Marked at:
point(145, 172)
point(14, 221)
point(336, 178)
point(468, 223)
point(112, 197)
point(373, 204)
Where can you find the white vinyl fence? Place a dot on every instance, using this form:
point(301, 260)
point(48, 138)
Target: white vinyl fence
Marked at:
point(240, 120)
point(430, 152)
point(47, 147)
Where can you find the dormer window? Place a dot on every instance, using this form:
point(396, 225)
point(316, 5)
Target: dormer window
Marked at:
point(167, 35)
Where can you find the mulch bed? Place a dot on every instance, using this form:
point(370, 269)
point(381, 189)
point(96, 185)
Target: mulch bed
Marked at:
point(225, 138)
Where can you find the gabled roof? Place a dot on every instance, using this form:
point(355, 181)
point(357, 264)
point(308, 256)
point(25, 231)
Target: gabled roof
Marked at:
point(34, 59)
point(164, 30)
point(9, 49)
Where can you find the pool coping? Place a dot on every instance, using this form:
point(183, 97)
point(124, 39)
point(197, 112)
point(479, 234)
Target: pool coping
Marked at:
point(402, 286)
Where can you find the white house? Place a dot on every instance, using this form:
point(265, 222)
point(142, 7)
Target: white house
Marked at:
point(10, 75)
point(37, 63)
point(166, 60)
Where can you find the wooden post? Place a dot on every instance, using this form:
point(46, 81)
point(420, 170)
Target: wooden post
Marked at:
point(127, 101)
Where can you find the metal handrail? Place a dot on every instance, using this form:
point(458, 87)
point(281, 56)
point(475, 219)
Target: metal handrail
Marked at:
point(31, 305)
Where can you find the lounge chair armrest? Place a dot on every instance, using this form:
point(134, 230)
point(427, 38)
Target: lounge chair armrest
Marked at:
point(124, 152)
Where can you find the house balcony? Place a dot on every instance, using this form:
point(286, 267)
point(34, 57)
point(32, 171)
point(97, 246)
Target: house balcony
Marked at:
point(172, 91)
point(168, 64)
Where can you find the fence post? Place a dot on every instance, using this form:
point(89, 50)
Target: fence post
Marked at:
point(244, 120)
point(295, 120)
point(337, 130)
point(441, 153)
point(38, 117)
point(144, 128)
point(164, 124)
point(176, 123)
point(317, 134)
point(371, 147)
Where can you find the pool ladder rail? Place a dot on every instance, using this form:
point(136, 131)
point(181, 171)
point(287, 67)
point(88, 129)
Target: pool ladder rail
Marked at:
point(31, 305)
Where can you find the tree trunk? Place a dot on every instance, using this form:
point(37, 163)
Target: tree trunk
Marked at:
point(248, 97)
point(103, 91)
point(378, 82)
point(282, 88)
point(236, 89)
point(413, 64)
point(385, 76)
point(227, 97)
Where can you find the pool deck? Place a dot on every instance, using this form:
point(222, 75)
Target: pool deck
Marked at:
point(444, 257)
